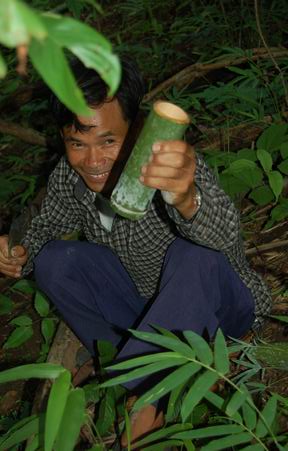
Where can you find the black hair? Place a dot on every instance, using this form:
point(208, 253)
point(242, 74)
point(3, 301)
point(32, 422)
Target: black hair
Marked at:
point(129, 93)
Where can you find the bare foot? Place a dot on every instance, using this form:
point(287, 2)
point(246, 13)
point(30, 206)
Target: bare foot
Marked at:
point(142, 422)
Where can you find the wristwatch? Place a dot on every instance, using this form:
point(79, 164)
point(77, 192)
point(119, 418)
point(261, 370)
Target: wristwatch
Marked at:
point(198, 200)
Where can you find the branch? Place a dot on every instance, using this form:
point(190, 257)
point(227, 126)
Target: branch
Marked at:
point(187, 75)
point(25, 134)
point(266, 247)
point(219, 138)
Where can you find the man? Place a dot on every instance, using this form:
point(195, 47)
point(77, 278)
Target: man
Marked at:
point(181, 266)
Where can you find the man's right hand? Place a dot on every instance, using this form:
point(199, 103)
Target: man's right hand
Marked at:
point(12, 266)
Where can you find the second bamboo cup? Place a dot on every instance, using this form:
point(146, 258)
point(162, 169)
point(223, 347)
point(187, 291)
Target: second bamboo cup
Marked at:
point(130, 198)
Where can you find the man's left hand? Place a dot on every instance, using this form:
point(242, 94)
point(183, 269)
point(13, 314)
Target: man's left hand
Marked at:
point(171, 169)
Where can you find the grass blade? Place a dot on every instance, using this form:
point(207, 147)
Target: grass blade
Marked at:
point(144, 360)
point(20, 432)
point(221, 357)
point(33, 370)
point(55, 408)
point(236, 401)
point(178, 377)
point(144, 371)
point(197, 392)
point(268, 413)
point(165, 342)
point(227, 442)
point(200, 346)
point(209, 431)
point(72, 420)
point(168, 432)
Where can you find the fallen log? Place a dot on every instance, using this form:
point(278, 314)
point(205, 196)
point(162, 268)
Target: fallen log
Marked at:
point(28, 135)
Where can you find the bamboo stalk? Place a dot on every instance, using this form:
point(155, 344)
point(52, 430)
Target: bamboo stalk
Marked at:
point(130, 198)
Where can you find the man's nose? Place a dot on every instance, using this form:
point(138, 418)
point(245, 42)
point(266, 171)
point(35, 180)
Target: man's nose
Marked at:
point(95, 157)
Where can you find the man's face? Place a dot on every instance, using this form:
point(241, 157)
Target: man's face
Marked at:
point(94, 154)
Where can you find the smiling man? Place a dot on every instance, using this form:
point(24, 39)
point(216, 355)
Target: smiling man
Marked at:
point(182, 266)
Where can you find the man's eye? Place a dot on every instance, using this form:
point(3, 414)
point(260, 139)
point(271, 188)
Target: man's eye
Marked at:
point(109, 141)
point(76, 145)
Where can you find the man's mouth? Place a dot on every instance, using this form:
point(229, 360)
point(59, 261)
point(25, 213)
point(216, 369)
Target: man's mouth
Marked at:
point(97, 177)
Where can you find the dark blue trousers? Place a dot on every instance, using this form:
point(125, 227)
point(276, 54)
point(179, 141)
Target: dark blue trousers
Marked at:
point(198, 291)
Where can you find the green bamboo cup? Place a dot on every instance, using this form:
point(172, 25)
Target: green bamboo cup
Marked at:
point(130, 198)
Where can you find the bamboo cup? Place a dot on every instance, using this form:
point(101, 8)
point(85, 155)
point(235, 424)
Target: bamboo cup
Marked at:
point(130, 198)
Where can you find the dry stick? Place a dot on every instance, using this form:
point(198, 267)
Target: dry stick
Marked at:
point(190, 73)
point(266, 247)
point(258, 24)
point(182, 78)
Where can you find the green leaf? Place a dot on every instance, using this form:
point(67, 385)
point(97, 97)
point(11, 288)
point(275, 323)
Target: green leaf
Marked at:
point(280, 318)
point(33, 445)
point(145, 359)
point(21, 431)
point(22, 320)
point(227, 442)
point(127, 428)
point(262, 195)
point(18, 23)
point(249, 415)
point(236, 401)
point(272, 138)
point(276, 182)
point(246, 171)
point(197, 391)
point(283, 167)
point(6, 304)
point(221, 357)
point(144, 371)
point(268, 413)
point(3, 67)
point(49, 60)
point(189, 445)
point(284, 150)
point(265, 159)
point(19, 336)
point(167, 432)
point(55, 408)
point(88, 45)
point(72, 420)
point(209, 431)
point(106, 413)
point(165, 342)
point(280, 211)
point(106, 352)
point(35, 370)
point(231, 185)
point(200, 346)
point(48, 329)
point(178, 377)
point(41, 304)
point(215, 399)
point(163, 446)
point(25, 286)
point(272, 354)
point(254, 447)
point(174, 399)
point(246, 154)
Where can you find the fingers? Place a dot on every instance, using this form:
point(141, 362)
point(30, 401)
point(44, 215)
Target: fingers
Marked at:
point(11, 266)
point(171, 167)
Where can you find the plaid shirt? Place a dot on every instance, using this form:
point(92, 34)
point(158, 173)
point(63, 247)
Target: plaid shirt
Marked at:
point(141, 245)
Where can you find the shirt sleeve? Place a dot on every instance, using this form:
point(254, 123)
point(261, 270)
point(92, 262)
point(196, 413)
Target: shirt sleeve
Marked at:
point(58, 216)
point(216, 224)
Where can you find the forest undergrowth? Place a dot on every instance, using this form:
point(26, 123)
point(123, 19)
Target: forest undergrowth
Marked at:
point(226, 63)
